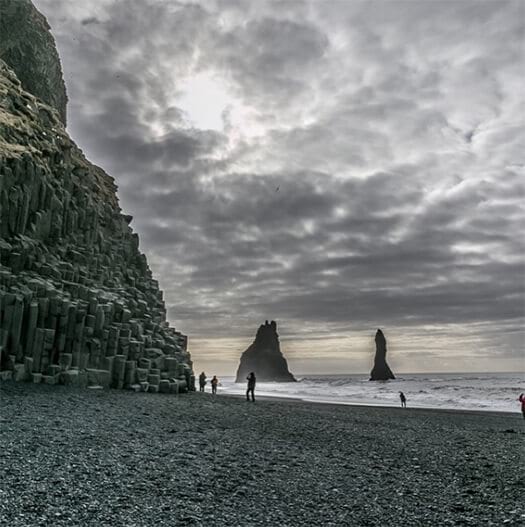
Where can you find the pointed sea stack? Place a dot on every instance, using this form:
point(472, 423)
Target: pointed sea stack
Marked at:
point(381, 370)
point(264, 357)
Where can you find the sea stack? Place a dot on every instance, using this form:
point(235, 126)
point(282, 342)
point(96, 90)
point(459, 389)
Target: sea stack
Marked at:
point(381, 370)
point(264, 357)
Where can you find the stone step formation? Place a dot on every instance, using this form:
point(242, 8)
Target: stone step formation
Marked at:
point(78, 303)
point(264, 357)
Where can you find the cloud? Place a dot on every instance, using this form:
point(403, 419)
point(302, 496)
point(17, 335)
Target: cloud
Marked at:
point(369, 171)
point(90, 20)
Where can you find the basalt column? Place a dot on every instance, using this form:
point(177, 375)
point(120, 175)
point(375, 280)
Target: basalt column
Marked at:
point(78, 302)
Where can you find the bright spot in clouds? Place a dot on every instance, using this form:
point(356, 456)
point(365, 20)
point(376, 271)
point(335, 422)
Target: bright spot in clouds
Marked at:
point(204, 100)
point(208, 102)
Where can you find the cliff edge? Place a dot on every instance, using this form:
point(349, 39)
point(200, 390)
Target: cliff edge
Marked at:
point(78, 303)
point(27, 46)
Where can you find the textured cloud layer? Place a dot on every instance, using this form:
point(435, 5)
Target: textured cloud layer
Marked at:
point(367, 169)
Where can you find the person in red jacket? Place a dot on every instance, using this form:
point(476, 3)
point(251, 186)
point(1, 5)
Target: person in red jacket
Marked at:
point(522, 401)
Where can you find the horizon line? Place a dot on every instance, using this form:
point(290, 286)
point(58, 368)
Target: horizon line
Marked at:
point(407, 373)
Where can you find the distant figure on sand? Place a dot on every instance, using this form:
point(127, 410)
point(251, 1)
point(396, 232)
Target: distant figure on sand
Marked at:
point(403, 400)
point(522, 401)
point(251, 387)
point(214, 383)
point(202, 381)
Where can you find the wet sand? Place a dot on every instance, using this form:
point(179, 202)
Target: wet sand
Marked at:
point(92, 457)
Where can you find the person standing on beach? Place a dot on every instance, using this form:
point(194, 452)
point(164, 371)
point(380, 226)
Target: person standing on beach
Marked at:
point(521, 399)
point(214, 383)
point(251, 387)
point(202, 381)
point(403, 400)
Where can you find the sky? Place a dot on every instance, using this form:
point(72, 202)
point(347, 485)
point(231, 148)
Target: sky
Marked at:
point(338, 166)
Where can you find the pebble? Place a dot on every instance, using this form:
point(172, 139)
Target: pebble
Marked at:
point(115, 458)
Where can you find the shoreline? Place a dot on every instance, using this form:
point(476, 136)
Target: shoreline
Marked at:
point(353, 404)
point(487, 393)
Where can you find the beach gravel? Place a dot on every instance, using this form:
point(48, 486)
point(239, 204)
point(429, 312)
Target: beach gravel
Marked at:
point(93, 457)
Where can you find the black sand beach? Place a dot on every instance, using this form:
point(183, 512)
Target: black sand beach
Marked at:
point(123, 459)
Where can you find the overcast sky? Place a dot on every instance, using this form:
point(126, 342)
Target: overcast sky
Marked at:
point(337, 166)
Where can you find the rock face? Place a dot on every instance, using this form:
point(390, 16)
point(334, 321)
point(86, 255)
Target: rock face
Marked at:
point(28, 47)
point(381, 370)
point(264, 357)
point(78, 303)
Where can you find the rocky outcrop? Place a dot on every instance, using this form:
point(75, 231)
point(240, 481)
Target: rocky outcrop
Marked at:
point(28, 47)
point(264, 357)
point(381, 370)
point(78, 303)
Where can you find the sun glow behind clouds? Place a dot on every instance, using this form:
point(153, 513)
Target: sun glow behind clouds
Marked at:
point(204, 100)
point(208, 102)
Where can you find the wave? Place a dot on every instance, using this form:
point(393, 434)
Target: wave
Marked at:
point(487, 391)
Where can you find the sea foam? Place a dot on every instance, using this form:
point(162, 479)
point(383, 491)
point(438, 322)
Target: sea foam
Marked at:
point(477, 391)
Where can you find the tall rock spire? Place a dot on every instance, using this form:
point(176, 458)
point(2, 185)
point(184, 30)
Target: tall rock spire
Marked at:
point(381, 370)
point(264, 357)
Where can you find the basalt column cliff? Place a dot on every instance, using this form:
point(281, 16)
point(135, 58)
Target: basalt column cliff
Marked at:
point(78, 304)
point(264, 357)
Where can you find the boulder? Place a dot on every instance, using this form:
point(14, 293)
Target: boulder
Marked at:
point(98, 378)
point(71, 378)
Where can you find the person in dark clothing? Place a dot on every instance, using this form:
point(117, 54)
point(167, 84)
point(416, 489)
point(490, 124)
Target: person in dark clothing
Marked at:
point(251, 387)
point(202, 381)
point(403, 400)
point(522, 401)
point(214, 384)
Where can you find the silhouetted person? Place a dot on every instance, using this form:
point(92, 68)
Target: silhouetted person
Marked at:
point(403, 400)
point(214, 383)
point(251, 386)
point(202, 381)
point(522, 401)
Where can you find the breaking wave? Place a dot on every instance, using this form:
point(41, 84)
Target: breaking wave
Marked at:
point(491, 391)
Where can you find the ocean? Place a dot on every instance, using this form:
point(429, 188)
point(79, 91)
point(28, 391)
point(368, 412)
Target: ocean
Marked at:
point(472, 391)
